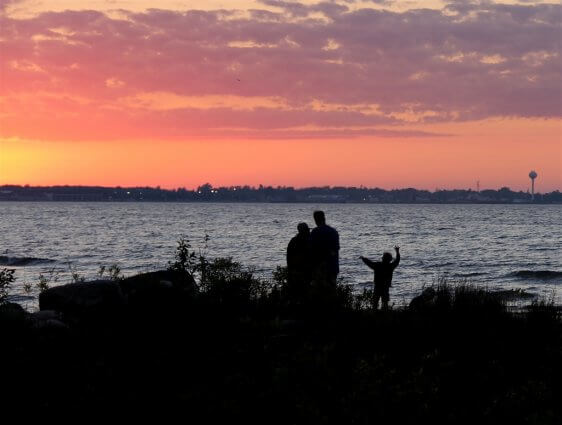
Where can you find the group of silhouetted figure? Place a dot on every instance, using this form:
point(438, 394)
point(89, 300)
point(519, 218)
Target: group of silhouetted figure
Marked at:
point(313, 263)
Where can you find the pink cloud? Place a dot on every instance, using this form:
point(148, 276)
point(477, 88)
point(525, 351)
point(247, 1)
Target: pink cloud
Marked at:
point(474, 62)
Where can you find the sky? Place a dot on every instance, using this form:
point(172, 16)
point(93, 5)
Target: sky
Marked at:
point(380, 93)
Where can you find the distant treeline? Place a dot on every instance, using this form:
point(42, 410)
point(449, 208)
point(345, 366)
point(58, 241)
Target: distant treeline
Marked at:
point(208, 193)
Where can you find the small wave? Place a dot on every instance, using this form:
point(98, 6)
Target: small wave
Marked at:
point(514, 294)
point(438, 265)
point(20, 299)
point(470, 274)
point(23, 261)
point(538, 274)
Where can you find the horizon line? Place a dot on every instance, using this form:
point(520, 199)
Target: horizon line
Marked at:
point(257, 187)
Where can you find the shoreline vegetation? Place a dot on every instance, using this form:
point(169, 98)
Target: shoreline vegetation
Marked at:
point(210, 341)
point(269, 194)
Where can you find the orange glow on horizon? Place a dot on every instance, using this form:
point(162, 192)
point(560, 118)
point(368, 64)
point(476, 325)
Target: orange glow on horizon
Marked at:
point(452, 162)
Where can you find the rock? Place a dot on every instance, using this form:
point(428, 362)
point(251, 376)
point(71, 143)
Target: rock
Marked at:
point(176, 279)
point(97, 297)
point(14, 323)
point(157, 289)
point(51, 325)
point(48, 319)
point(12, 312)
point(291, 324)
point(425, 300)
point(46, 315)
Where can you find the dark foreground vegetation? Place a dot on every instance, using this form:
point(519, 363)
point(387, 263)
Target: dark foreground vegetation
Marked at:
point(207, 341)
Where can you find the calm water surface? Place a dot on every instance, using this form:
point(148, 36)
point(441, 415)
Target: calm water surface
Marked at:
point(501, 246)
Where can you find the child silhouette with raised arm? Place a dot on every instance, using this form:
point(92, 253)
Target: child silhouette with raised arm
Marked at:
point(383, 276)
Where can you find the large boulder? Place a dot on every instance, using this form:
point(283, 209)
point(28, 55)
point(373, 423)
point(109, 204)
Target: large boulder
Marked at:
point(48, 319)
point(157, 290)
point(97, 297)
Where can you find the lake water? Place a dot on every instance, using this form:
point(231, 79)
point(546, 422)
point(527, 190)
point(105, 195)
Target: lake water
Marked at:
point(499, 246)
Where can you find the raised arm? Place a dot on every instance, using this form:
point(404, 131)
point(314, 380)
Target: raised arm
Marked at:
point(368, 262)
point(397, 259)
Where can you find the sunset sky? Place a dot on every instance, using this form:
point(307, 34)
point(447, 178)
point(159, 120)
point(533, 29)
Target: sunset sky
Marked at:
point(425, 94)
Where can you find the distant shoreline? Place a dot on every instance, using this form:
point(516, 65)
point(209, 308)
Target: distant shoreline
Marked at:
point(268, 194)
point(278, 202)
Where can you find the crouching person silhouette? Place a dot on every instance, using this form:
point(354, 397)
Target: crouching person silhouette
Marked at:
point(383, 276)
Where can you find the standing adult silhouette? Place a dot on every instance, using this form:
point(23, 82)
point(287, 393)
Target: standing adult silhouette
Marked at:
point(298, 261)
point(325, 246)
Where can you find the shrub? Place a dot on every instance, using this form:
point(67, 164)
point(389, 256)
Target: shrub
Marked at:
point(6, 280)
point(113, 272)
point(463, 296)
point(185, 259)
point(75, 277)
point(46, 280)
point(225, 281)
point(280, 276)
point(544, 309)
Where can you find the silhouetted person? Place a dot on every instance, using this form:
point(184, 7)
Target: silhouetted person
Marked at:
point(298, 257)
point(383, 276)
point(325, 246)
point(298, 267)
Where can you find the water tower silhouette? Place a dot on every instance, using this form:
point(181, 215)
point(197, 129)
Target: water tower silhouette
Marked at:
point(533, 175)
